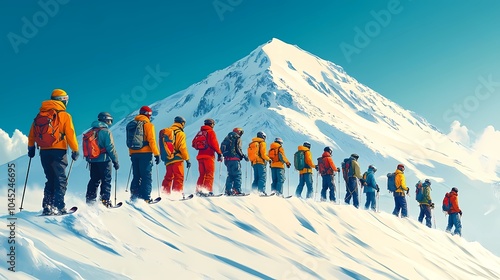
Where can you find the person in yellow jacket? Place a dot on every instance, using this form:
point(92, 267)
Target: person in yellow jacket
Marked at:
point(306, 173)
point(174, 176)
point(257, 154)
point(399, 194)
point(278, 162)
point(53, 152)
point(142, 158)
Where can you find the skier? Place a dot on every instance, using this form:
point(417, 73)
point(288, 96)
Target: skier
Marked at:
point(327, 169)
point(278, 162)
point(231, 150)
point(305, 174)
point(400, 205)
point(353, 175)
point(257, 154)
point(370, 187)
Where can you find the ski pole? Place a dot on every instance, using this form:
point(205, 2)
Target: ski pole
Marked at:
point(69, 171)
point(116, 185)
point(220, 175)
point(25, 182)
point(433, 219)
point(288, 181)
point(158, 180)
point(128, 180)
point(316, 192)
point(378, 202)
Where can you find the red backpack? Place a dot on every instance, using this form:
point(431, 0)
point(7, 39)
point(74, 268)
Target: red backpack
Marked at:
point(323, 166)
point(46, 128)
point(91, 149)
point(200, 141)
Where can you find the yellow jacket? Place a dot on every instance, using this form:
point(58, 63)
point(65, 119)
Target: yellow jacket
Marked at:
point(281, 155)
point(67, 135)
point(180, 146)
point(149, 135)
point(308, 160)
point(400, 182)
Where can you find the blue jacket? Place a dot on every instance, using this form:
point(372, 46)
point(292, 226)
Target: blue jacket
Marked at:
point(371, 184)
point(105, 140)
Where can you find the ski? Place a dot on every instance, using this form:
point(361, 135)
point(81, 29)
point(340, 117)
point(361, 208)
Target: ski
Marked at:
point(236, 195)
point(209, 195)
point(118, 205)
point(183, 199)
point(153, 201)
point(68, 212)
point(266, 195)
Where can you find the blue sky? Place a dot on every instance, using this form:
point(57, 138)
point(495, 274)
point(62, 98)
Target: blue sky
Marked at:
point(437, 58)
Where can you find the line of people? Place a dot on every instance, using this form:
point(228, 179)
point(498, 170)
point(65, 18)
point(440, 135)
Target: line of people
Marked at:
point(52, 131)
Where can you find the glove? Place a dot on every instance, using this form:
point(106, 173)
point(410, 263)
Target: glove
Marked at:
point(378, 189)
point(288, 165)
point(157, 160)
point(431, 205)
point(460, 213)
point(338, 170)
point(408, 191)
point(74, 155)
point(245, 157)
point(116, 165)
point(219, 157)
point(316, 167)
point(31, 151)
point(188, 164)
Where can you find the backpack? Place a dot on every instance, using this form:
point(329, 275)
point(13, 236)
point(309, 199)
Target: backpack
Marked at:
point(419, 191)
point(228, 145)
point(167, 143)
point(323, 166)
point(391, 182)
point(46, 128)
point(135, 135)
point(299, 160)
point(91, 149)
point(254, 151)
point(200, 141)
point(446, 202)
point(274, 154)
point(363, 179)
point(346, 167)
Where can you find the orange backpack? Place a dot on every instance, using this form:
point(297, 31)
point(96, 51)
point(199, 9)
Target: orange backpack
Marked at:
point(91, 149)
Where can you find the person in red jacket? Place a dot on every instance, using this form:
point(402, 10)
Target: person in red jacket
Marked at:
point(207, 145)
point(327, 169)
point(454, 213)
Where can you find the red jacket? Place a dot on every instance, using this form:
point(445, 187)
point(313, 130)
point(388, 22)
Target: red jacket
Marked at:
point(331, 167)
point(454, 203)
point(213, 144)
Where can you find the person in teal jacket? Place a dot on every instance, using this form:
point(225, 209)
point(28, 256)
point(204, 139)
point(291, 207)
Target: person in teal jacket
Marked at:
point(100, 167)
point(370, 188)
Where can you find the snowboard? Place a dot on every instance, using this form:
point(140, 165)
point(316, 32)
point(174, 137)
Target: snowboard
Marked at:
point(69, 212)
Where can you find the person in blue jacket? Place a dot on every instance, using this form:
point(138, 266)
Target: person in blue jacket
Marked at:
point(370, 188)
point(100, 167)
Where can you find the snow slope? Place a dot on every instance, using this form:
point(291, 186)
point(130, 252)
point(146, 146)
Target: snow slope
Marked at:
point(238, 238)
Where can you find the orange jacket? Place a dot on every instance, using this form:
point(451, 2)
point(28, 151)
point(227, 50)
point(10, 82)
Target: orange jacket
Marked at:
point(262, 156)
point(213, 144)
point(281, 154)
point(66, 129)
point(308, 160)
point(329, 163)
point(149, 135)
point(180, 146)
point(454, 203)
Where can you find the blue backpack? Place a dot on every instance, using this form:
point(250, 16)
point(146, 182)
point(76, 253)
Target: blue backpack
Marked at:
point(419, 191)
point(391, 182)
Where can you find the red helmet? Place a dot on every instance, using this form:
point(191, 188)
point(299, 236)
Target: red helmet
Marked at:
point(238, 130)
point(146, 111)
point(401, 166)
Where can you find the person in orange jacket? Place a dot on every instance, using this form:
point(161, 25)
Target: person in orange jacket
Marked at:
point(305, 177)
point(206, 157)
point(278, 162)
point(53, 154)
point(454, 213)
point(174, 176)
point(327, 170)
point(142, 163)
point(257, 154)
point(399, 194)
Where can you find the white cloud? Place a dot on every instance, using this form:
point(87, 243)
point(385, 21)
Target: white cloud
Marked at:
point(488, 145)
point(12, 147)
point(459, 133)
